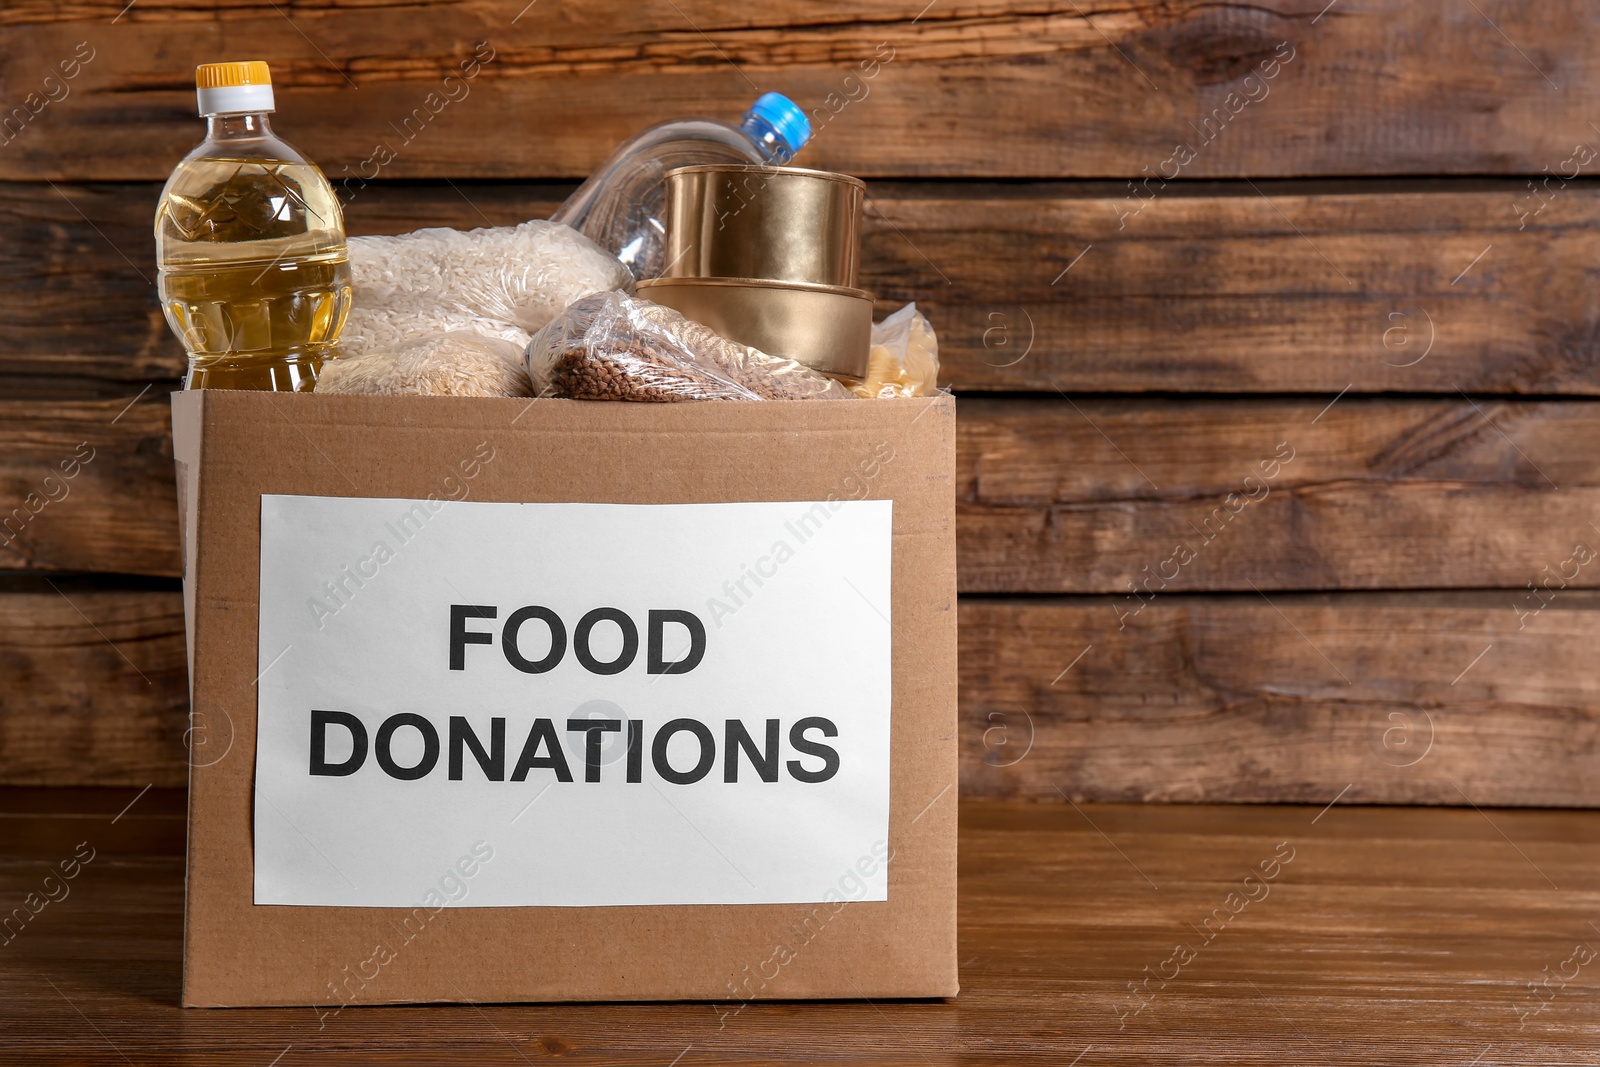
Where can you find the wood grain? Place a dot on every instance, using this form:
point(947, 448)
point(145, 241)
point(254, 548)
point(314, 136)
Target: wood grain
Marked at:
point(96, 687)
point(1054, 496)
point(1252, 288)
point(1389, 936)
point(1419, 698)
point(972, 89)
point(1212, 287)
point(1095, 496)
point(88, 486)
point(1209, 699)
point(1401, 282)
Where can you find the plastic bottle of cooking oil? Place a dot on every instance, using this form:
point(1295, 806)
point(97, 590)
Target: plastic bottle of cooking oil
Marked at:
point(255, 279)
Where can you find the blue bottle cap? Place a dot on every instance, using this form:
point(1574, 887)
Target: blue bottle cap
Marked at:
point(785, 117)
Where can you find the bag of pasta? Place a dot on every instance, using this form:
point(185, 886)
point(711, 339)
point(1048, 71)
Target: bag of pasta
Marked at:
point(904, 360)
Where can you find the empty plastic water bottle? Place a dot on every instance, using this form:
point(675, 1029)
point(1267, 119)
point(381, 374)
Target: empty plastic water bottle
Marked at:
point(622, 206)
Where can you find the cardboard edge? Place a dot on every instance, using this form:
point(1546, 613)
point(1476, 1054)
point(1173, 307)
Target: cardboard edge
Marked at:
point(188, 416)
point(188, 421)
point(945, 402)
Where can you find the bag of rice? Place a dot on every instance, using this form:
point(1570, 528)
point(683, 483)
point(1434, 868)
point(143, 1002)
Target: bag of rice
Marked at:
point(437, 364)
point(502, 282)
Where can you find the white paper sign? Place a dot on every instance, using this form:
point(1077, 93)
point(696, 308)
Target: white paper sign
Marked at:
point(572, 704)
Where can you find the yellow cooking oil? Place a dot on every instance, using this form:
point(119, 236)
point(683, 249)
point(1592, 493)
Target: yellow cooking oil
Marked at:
point(254, 273)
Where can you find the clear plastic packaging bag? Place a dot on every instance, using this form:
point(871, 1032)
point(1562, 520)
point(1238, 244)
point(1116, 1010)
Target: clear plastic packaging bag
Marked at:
point(904, 360)
point(501, 282)
point(611, 346)
point(434, 364)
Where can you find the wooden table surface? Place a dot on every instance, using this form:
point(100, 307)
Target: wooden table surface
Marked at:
point(1381, 936)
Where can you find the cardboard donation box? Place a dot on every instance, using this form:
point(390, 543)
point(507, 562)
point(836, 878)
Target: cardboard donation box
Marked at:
point(512, 700)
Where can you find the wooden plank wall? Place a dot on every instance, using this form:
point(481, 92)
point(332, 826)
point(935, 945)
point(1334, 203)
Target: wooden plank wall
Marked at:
point(1273, 325)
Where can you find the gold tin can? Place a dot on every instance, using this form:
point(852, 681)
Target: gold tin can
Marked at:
point(826, 327)
point(781, 224)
